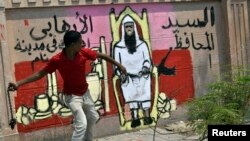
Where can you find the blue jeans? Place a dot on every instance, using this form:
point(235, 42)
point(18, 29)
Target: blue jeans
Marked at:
point(85, 116)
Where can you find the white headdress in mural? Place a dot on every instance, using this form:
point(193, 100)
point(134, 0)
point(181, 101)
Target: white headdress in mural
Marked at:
point(128, 19)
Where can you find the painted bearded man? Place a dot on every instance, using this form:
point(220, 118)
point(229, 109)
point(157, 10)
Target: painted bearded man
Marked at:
point(134, 55)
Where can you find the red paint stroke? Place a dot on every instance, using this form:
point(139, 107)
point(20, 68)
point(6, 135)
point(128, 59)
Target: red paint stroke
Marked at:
point(181, 85)
point(26, 22)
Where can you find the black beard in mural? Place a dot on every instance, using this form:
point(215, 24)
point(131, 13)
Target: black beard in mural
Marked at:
point(130, 42)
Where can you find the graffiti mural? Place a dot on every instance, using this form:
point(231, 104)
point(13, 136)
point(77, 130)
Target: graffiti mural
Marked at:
point(134, 53)
point(151, 41)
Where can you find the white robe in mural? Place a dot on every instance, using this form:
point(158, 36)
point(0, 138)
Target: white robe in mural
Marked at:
point(137, 88)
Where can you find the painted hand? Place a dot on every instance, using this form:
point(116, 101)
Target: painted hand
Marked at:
point(123, 70)
point(145, 70)
point(123, 78)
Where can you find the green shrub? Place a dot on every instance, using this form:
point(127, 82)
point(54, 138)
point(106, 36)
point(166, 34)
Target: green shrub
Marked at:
point(226, 103)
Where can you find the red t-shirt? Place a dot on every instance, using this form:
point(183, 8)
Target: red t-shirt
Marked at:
point(72, 71)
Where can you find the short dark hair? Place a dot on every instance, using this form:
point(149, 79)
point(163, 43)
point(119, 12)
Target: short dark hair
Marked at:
point(71, 37)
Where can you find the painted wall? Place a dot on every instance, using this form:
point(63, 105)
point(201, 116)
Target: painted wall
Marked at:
point(185, 42)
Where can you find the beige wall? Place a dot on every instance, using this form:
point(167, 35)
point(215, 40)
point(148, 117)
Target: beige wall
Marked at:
point(5, 74)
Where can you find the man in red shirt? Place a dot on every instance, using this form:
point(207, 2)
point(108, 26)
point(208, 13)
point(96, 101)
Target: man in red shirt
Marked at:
point(71, 65)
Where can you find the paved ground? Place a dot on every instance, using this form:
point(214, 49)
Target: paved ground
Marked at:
point(153, 135)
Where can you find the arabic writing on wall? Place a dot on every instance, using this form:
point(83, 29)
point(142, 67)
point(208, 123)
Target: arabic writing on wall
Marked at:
point(187, 40)
point(51, 32)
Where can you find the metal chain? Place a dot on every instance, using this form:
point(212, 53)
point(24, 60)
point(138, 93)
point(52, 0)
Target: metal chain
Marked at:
point(12, 122)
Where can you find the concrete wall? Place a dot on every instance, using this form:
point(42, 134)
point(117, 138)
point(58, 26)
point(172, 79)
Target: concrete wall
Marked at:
point(191, 43)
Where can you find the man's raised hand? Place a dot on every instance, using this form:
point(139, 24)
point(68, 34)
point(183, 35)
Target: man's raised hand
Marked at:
point(12, 87)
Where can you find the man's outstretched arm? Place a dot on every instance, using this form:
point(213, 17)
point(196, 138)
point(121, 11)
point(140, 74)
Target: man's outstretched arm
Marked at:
point(111, 60)
point(36, 76)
